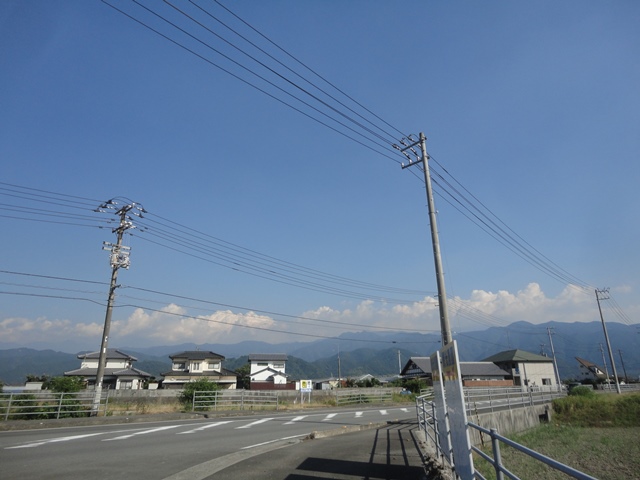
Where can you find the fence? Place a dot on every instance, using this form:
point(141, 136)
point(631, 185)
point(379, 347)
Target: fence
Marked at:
point(496, 460)
point(426, 413)
point(346, 396)
point(234, 400)
point(482, 399)
point(50, 405)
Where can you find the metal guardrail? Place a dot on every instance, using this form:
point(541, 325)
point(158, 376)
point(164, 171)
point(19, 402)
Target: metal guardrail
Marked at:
point(346, 396)
point(234, 400)
point(501, 470)
point(50, 405)
point(508, 397)
point(426, 413)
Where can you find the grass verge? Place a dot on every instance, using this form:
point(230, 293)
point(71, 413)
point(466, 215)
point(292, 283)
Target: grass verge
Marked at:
point(597, 435)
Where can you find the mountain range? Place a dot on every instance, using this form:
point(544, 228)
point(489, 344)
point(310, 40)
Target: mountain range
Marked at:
point(381, 354)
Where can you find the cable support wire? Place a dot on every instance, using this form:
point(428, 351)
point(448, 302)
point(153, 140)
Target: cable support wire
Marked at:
point(173, 296)
point(485, 221)
point(174, 29)
point(503, 229)
point(286, 280)
point(243, 256)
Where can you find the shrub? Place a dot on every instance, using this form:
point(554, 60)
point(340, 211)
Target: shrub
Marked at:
point(202, 385)
point(64, 384)
point(582, 391)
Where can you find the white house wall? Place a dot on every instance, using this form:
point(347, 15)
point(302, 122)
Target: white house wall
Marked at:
point(538, 374)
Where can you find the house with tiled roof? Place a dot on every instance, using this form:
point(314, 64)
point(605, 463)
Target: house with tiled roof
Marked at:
point(267, 372)
point(119, 373)
point(474, 374)
point(590, 369)
point(525, 368)
point(193, 365)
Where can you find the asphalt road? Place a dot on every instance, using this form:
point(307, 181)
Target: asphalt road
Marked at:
point(179, 449)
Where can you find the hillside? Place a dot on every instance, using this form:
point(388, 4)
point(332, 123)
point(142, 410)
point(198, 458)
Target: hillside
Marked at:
point(368, 352)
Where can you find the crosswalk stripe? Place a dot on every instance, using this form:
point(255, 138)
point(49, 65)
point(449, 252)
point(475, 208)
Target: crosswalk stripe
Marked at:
point(257, 422)
point(204, 427)
point(296, 419)
point(54, 440)
point(144, 432)
point(329, 417)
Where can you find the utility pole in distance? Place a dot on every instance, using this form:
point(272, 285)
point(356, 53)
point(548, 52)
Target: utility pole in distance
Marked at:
point(553, 354)
point(602, 295)
point(118, 259)
point(626, 379)
point(408, 150)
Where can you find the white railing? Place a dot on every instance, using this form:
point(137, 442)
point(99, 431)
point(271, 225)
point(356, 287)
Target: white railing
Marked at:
point(50, 405)
point(234, 400)
point(482, 399)
point(426, 412)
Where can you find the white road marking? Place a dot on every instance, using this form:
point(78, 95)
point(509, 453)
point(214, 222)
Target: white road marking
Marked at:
point(143, 432)
point(296, 419)
point(384, 412)
point(55, 440)
point(272, 441)
point(359, 414)
point(329, 417)
point(249, 425)
point(204, 427)
point(405, 410)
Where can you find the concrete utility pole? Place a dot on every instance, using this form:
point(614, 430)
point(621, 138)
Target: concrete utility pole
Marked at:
point(626, 379)
point(603, 295)
point(414, 157)
point(553, 354)
point(118, 259)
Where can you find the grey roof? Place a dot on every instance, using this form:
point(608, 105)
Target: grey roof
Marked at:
point(265, 357)
point(275, 372)
point(468, 369)
point(111, 354)
point(108, 372)
point(196, 355)
point(517, 356)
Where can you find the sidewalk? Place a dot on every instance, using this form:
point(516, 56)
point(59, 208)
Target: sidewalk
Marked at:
point(393, 451)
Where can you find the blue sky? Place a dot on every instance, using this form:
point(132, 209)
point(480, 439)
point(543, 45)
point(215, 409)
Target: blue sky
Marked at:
point(532, 107)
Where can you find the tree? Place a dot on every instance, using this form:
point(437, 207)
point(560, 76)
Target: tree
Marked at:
point(64, 384)
point(244, 381)
point(201, 385)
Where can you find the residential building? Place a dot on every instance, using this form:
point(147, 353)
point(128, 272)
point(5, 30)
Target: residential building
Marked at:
point(119, 372)
point(474, 374)
point(525, 368)
point(190, 366)
point(591, 370)
point(267, 372)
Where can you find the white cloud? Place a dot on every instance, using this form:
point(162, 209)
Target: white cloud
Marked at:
point(174, 324)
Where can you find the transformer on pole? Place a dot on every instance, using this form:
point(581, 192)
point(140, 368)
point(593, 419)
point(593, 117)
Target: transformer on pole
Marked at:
point(118, 258)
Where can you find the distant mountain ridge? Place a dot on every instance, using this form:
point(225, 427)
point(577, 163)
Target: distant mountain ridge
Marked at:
point(368, 352)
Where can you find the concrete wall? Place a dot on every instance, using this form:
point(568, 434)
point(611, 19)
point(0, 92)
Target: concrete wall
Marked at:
point(508, 422)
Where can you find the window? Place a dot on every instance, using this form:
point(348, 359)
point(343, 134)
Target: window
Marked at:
point(278, 365)
point(195, 366)
point(546, 381)
point(178, 366)
point(126, 384)
point(213, 366)
point(263, 364)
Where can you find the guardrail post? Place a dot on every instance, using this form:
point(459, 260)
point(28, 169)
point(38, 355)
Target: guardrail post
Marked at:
point(193, 402)
point(497, 458)
point(6, 416)
point(59, 406)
